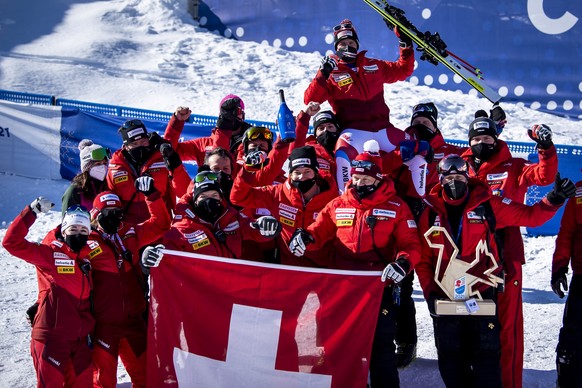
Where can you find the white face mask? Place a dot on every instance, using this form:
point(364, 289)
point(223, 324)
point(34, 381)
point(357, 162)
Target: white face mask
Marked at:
point(98, 172)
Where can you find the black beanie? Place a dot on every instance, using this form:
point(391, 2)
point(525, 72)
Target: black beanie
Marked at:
point(345, 30)
point(132, 130)
point(428, 110)
point(303, 157)
point(203, 182)
point(325, 116)
point(482, 126)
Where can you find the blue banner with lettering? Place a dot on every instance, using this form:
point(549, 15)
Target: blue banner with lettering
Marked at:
point(530, 51)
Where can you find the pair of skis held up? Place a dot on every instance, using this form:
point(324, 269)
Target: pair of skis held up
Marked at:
point(433, 49)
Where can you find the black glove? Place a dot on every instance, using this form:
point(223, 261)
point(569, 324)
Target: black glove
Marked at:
point(145, 184)
point(327, 66)
point(497, 114)
point(563, 189)
point(405, 40)
point(299, 240)
point(396, 271)
point(560, 281)
point(542, 135)
point(171, 157)
point(268, 226)
point(389, 24)
point(156, 140)
point(431, 302)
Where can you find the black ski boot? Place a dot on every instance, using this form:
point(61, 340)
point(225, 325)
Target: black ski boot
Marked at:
point(405, 354)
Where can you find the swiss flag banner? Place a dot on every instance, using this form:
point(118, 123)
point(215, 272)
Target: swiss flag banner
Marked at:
point(218, 322)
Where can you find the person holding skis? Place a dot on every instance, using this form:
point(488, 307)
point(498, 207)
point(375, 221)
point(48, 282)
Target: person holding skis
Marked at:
point(569, 252)
point(491, 162)
point(353, 84)
point(459, 252)
point(60, 339)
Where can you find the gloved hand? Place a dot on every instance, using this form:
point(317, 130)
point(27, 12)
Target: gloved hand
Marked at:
point(299, 240)
point(41, 205)
point(389, 24)
point(481, 113)
point(542, 135)
point(152, 256)
point(256, 158)
point(228, 119)
point(182, 113)
point(171, 157)
point(397, 270)
point(497, 114)
point(405, 40)
point(560, 281)
point(145, 184)
point(410, 148)
point(268, 226)
point(156, 140)
point(563, 189)
point(327, 65)
point(431, 302)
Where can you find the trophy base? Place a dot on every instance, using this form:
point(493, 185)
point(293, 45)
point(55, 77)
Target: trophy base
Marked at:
point(448, 307)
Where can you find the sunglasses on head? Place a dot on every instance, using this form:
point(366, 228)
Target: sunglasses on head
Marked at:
point(205, 176)
point(76, 209)
point(362, 164)
point(132, 124)
point(342, 26)
point(423, 108)
point(259, 132)
point(100, 154)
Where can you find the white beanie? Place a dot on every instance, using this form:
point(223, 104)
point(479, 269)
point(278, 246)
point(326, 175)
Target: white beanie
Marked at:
point(87, 146)
point(77, 216)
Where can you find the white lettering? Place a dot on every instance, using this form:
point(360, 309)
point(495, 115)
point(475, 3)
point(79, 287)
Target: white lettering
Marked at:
point(545, 24)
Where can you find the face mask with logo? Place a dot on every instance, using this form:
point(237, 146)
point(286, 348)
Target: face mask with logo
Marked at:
point(304, 186)
point(76, 241)
point(347, 54)
point(455, 189)
point(364, 191)
point(98, 172)
point(483, 151)
point(328, 140)
point(209, 209)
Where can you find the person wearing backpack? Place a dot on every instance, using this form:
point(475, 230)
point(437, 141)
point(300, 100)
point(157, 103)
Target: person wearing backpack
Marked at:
point(456, 230)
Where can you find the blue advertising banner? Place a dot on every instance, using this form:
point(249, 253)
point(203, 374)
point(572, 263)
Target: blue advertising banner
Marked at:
point(530, 51)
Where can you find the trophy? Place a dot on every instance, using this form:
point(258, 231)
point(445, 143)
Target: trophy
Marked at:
point(457, 283)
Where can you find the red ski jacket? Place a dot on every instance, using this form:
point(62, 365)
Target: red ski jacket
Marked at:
point(118, 282)
point(285, 202)
point(510, 177)
point(569, 241)
point(64, 309)
point(474, 229)
point(121, 179)
point(356, 95)
point(367, 234)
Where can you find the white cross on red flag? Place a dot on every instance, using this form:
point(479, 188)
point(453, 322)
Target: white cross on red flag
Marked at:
point(218, 322)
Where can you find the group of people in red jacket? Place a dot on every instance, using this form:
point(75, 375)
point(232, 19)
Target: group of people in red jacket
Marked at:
point(357, 194)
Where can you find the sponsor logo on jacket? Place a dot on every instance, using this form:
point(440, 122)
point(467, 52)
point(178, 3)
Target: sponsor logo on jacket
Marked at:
point(95, 252)
point(342, 79)
point(230, 228)
point(474, 218)
point(158, 165)
point(288, 208)
point(383, 213)
point(198, 239)
point(370, 69)
point(64, 263)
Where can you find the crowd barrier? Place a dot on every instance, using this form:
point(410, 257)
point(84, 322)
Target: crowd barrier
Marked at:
point(39, 135)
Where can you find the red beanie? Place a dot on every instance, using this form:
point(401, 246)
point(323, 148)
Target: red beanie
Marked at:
point(103, 200)
point(368, 162)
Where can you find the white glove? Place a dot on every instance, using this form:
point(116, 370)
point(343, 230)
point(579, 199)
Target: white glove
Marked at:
point(396, 270)
point(268, 226)
point(298, 242)
point(152, 256)
point(41, 205)
point(256, 158)
point(145, 184)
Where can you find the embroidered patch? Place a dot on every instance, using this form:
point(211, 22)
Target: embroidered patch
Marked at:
point(120, 179)
point(579, 201)
point(506, 201)
point(287, 221)
point(344, 216)
point(95, 252)
point(64, 263)
point(496, 177)
point(66, 270)
point(232, 226)
point(345, 210)
point(411, 224)
point(119, 173)
point(261, 211)
point(345, 82)
point(384, 213)
point(285, 214)
point(344, 222)
point(158, 165)
point(200, 244)
point(60, 255)
point(371, 68)
point(288, 208)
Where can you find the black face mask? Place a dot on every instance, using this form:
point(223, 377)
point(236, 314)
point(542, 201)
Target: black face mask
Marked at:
point(364, 191)
point(109, 223)
point(76, 241)
point(347, 54)
point(209, 209)
point(483, 151)
point(226, 183)
point(140, 154)
point(304, 186)
point(455, 189)
point(423, 132)
point(328, 140)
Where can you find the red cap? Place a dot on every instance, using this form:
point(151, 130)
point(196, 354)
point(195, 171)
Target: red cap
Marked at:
point(368, 162)
point(103, 200)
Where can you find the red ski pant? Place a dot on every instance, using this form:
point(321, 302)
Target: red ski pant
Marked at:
point(60, 363)
point(127, 343)
point(510, 312)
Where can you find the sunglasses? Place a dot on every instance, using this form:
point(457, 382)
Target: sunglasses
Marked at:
point(114, 212)
point(452, 165)
point(342, 26)
point(132, 124)
point(100, 154)
point(362, 164)
point(76, 209)
point(259, 132)
point(205, 176)
point(423, 108)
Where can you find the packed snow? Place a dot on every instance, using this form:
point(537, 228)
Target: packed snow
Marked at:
point(150, 54)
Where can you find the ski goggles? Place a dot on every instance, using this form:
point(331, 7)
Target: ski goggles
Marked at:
point(129, 124)
point(76, 215)
point(452, 164)
point(254, 133)
point(113, 212)
point(100, 154)
point(205, 176)
point(362, 164)
point(423, 108)
point(343, 26)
